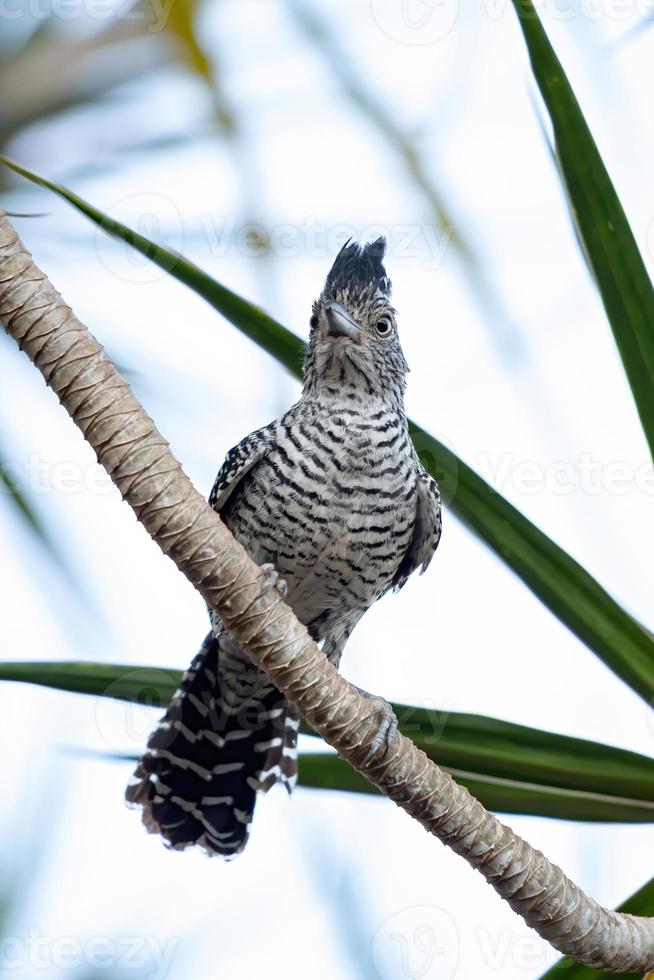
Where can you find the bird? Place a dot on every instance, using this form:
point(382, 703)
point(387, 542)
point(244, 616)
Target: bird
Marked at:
point(332, 502)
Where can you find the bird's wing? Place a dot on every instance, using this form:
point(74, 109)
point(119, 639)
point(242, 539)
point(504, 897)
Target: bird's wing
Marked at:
point(426, 531)
point(238, 462)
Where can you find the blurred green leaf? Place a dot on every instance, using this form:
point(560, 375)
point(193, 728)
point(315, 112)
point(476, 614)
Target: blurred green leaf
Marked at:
point(181, 20)
point(640, 903)
point(266, 332)
point(22, 505)
point(50, 74)
point(31, 519)
point(322, 771)
point(608, 241)
point(509, 767)
point(554, 576)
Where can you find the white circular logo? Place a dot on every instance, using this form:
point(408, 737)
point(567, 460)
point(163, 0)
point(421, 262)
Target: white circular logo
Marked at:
point(419, 943)
point(125, 725)
point(152, 216)
point(415, 21)
point(442, 464)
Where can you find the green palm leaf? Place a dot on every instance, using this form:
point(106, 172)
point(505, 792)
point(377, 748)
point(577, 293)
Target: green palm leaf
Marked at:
point(501, 795)
point(608, 241)
point(556, 578)
point(511, 768)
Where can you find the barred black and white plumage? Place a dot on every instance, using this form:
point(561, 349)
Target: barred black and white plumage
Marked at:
point(333, 496)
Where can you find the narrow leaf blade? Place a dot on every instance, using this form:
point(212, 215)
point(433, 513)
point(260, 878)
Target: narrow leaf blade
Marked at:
point(511, 768)
point(322, 771)
point(20, 501)
point(609, 244)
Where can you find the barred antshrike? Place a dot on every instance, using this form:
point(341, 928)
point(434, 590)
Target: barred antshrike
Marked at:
point(332, 500)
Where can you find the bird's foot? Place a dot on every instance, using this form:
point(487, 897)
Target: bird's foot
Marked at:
point(273, 580)
point(387, 726)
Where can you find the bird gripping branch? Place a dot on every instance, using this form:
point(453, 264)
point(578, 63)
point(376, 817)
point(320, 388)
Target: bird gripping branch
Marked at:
point(333, 501)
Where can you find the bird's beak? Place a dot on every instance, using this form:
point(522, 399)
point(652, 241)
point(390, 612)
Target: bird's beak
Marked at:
point(339, 323)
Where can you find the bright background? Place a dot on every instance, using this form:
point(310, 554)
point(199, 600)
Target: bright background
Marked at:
point(268, 132)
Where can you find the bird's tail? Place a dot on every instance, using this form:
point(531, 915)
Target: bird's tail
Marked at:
point(224, 736)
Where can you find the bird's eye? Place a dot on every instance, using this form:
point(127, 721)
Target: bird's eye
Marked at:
point(313, 322)
point(383, 326)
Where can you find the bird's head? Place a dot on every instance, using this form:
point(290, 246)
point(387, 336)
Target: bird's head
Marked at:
point(354, 350)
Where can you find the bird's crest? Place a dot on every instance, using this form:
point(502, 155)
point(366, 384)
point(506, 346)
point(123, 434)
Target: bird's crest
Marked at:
point(359, 269)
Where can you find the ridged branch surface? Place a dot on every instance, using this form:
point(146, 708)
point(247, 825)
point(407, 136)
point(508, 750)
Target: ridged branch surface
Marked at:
point(179, 520)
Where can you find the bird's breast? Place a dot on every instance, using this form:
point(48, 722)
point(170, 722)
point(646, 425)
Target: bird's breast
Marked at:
point(345, 505)
point(332, 504)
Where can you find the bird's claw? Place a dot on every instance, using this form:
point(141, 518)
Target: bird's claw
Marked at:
point(273, 580)
point(387, 727)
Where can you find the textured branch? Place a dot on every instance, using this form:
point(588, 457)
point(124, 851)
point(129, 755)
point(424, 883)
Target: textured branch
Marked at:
point(186, 529)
